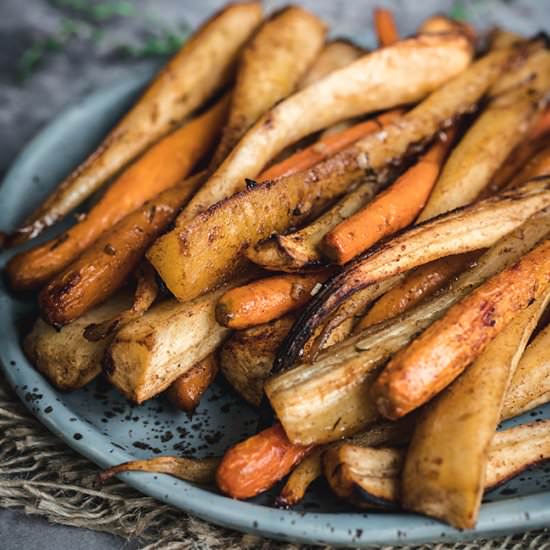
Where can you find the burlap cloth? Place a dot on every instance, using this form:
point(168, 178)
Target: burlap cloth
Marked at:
point(42, 476)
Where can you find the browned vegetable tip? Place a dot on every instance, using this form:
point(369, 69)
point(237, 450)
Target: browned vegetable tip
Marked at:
point(145, 294)
point(462, 230)
point(447, 458)
point(204, 64)
point(197, 470)
point(369, 477)
point(270, 67)
point(65, 357)
point(300, 479)
point(446, 348)
point(104, 267)
point(246, 358)
point(185, 393)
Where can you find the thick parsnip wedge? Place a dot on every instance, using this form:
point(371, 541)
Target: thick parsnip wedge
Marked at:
point(530, 385)
point(331, 398)
point(445, 466)
point(246, 358)
point(200, 255)
point(335, 55)
point(443, 351)
point(149, 354)
point(104, 267)
point(398, 74)
point(65, 357)
point(500, 127)
point(185, 393)
point(463, 230)
point(203, 65)
point(369, 477)
point(270, 67)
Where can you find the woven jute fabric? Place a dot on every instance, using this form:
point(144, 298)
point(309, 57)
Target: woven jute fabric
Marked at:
point(42, 476)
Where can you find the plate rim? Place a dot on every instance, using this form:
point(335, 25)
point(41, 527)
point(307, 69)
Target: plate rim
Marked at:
point(512, 515)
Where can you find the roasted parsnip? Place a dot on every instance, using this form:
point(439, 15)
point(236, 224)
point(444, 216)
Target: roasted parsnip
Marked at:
point(500, 127)
point(64, 356)
point(270, 67)
point(203, 65)
point(149, 354)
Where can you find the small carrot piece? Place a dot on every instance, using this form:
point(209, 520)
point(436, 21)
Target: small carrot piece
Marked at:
point(386, 29)
point(421, 283)
point(266, 299)
point(186, 392)
point(449, 345)
point(391, 211)
point(104, 267)
point(256, 464)
point(161, 167)
point(327, 146)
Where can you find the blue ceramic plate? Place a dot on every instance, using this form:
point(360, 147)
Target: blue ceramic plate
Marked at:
point(101, 425)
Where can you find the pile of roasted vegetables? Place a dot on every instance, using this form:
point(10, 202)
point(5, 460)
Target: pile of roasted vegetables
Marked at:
point(359, 241)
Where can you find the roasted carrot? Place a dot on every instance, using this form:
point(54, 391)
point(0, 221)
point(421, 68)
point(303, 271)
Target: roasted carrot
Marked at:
point(197, 71)
point(256, 464)
point(327, 146)
point(421, 283)
point(105, 266)
point(186, 392)
point(450, 344)
point(267, 299)
point(161, 167)
point(386, 29)
point(392, 210)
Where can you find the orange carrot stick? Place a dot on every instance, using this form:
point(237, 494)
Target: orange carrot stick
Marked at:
point(421, 283)
point(386, 29)
point(185, 393)
point(161, 167)
point(266, 299)
point(327, 146)
point(256, 464)
point(392, 210)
